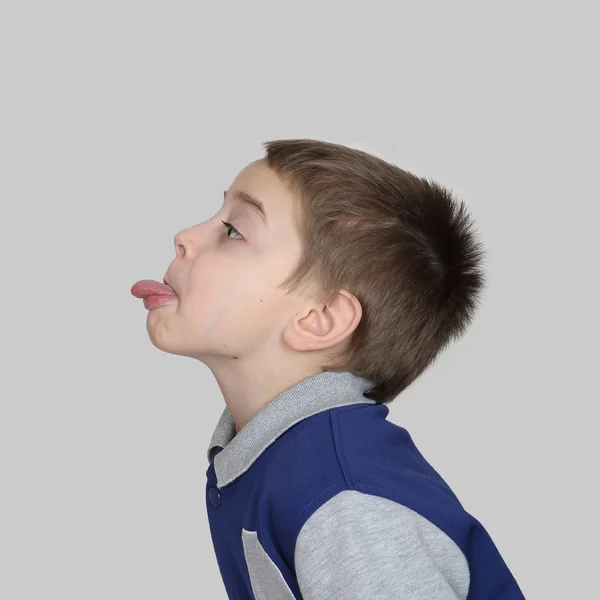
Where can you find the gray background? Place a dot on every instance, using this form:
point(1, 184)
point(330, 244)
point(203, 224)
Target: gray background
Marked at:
point(122, 122)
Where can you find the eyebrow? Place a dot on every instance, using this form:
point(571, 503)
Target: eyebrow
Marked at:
point(255, 204)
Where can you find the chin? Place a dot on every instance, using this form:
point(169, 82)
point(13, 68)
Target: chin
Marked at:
point(160, 339)
point(168, 345)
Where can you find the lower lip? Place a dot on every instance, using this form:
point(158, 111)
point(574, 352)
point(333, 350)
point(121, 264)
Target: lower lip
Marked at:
point(151, 302)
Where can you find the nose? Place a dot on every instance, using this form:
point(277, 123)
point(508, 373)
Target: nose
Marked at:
point(187, 241)
point(180, 247)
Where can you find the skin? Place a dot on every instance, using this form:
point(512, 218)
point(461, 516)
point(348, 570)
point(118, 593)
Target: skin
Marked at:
point(256, 339)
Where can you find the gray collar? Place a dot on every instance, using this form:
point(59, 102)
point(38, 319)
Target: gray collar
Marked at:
point(314, 394)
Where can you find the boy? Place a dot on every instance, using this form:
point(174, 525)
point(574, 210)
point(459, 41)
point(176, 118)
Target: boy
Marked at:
point(326, 283)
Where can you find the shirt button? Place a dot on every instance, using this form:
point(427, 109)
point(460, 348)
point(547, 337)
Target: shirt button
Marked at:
point(214, 496)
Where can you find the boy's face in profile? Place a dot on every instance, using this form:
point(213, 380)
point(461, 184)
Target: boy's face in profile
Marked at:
point(228, 306)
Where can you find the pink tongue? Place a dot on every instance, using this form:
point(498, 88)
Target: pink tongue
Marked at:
point(149, 287)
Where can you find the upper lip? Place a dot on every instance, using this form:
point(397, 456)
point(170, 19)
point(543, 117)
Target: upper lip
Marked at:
point(165, 280)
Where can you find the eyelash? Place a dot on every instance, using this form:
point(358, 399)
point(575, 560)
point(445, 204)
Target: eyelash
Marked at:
point(229, 226)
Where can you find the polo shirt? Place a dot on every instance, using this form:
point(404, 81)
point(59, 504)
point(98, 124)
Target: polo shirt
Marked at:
point(319, 497)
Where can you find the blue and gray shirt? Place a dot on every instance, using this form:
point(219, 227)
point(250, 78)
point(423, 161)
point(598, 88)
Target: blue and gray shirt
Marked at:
point(320, 497)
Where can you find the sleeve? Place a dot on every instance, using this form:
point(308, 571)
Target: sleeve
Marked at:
point(359, 546)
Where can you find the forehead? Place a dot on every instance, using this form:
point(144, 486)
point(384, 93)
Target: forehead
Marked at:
point(261, 182)
point(258, 177)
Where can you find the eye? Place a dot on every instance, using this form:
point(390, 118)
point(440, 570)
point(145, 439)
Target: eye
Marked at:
point(228, 227)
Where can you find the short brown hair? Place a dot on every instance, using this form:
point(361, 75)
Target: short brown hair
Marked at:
point(400, 243)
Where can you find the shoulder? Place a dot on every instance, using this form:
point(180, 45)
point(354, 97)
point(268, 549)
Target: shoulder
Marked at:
point(359, 545)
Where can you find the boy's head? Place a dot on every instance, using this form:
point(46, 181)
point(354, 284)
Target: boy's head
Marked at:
point(356, 265)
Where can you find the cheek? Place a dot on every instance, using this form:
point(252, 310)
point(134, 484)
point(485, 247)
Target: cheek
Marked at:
point(215, 290)
point(235, 292)
point(206, 291)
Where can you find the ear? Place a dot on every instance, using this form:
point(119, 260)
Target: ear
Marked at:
point(324, 326)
